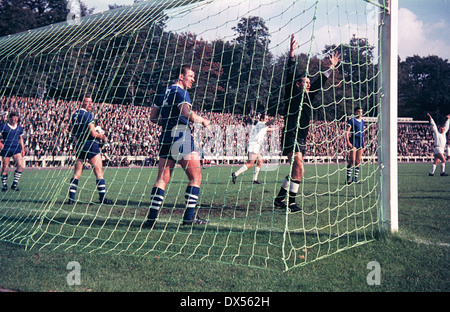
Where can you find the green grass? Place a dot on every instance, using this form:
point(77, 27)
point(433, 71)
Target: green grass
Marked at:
point(115, 253)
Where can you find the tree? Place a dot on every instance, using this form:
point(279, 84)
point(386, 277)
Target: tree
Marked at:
point(359, 85)
point(423, 86)
point(15, 17)
point(246, 64)
point(252, 30)
point(21, 15)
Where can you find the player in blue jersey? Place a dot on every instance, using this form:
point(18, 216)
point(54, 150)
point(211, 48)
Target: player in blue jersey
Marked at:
point(354, 137)
point(11, 147)
point(87, 149)
point(172, 111)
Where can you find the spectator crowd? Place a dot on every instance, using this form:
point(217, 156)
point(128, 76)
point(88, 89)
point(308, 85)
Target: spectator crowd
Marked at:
point(46, 124)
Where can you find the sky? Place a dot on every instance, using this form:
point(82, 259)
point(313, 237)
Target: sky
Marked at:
point(424, 25)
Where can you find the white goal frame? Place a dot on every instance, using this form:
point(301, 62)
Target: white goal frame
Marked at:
point(388, 32)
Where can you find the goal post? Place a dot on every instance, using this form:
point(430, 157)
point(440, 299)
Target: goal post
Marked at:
point(388, 30)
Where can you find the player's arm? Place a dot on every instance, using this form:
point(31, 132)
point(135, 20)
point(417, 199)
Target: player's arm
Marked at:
point(432, 123)
point(271, 122)
point(347, 136)
point(154, 115)
point(290, 68)
point(186, 112)
point(334, 59)
point(1, 137)
point(289, 75)
point(94, 132)
point(22, 145)
point(447, 123)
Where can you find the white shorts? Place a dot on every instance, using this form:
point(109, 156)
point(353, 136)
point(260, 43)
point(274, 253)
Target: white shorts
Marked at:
point(253, 148)
point(438, 150)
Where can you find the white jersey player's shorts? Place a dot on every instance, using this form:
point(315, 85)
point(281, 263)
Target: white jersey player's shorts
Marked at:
point(438, 150)
point(253, 148)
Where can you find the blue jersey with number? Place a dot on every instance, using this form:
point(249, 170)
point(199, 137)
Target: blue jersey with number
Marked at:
point(81, 120)
point(169, 104)
point(357, 132)
point(11, 136)
point(356, 127)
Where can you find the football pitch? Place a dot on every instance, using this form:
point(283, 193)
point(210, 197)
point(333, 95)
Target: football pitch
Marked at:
point(102, 237)
point(244, 227)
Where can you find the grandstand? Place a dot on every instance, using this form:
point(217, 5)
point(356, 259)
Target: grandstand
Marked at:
point(134, 141)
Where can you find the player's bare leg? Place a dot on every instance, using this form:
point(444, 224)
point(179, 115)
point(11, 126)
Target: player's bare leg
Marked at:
point(97, 165)
point(191, 165)
point(259, 163)
point(252, 157)
point(351, 164)
point(291, 184)
point(18, 161)
point(5, 164)
point(439, 158)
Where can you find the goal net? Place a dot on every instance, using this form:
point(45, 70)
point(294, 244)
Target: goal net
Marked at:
point(238, 50)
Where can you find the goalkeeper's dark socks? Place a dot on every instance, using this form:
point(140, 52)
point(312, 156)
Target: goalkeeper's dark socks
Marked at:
point(290, 187)
point(293, 190)
point(283, 190)
point(73, 188)
point(157, 198)
point(191, 197)
point(101, 188)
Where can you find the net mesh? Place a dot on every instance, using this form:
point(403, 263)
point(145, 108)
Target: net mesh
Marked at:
point(238, 49)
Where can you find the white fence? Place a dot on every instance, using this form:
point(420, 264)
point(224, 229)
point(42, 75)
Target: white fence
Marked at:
point(64, 161)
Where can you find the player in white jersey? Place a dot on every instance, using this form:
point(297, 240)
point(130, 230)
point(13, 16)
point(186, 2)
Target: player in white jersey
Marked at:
point(440, 141)
point(257, 136)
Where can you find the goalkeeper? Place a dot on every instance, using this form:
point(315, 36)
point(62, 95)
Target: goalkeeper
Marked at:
point(298, 99)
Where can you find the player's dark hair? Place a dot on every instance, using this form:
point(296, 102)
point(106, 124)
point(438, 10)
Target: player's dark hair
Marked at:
point(82, 96)
point(182, 69)
point(299, 77)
